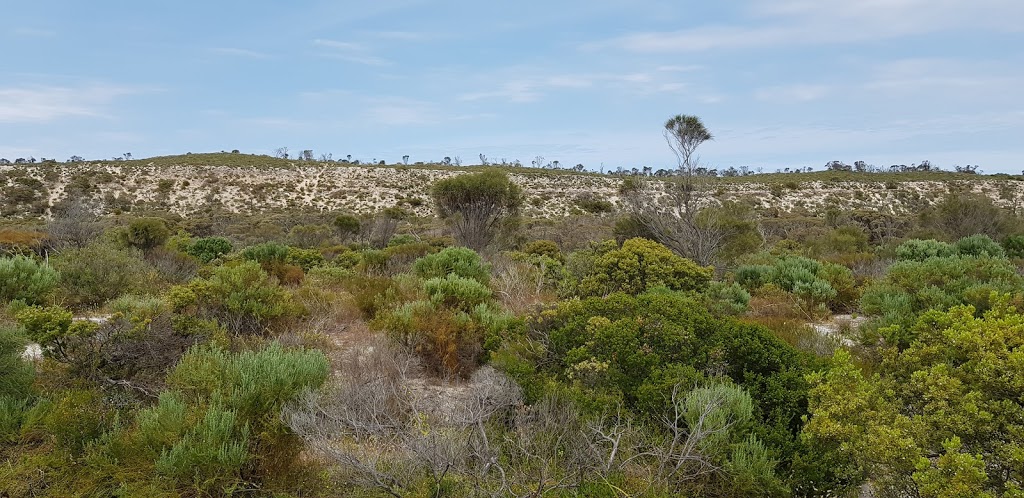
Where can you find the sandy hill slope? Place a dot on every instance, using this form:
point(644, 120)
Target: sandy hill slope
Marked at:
point(245, 183)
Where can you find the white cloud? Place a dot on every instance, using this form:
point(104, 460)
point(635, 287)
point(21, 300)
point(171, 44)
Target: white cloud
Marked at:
point(792, 93)
point(804, 22)
point(350, 52)
point(43, 104)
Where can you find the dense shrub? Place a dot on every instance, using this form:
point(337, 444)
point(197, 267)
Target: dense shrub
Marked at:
point(347, 226)
point(1014, 246)
point(25, 279)
point(639, 265)
point(816, 283)
point(452, 328)
point(208, 249)
point(939, 418)
point(241, 297)
point(100, 272)
point(268, 253)
point(979, 245)
point(920, 250)
point(635, 350)
point(15, 373)
point(460, 261)
point(913, 287)
point(146, 233)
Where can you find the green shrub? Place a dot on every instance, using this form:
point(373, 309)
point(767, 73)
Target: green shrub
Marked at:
point(25, 279)
point(241, 297)
point(347, 226)
point(306, 259)
point(459, 261)
point(456, 292)
point(100, 272)
point(640, 265)
point(979, 245)
point(544, 248)
point(15, 373)
point(1014, 246)
point(146, 233)
point(920, 250)
point(267, 253)
point(208, 249)
point(816, 283)
point(727, 299)
point(910, 288)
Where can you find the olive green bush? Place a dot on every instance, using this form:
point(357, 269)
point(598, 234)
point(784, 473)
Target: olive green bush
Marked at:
point(23, 278)
point(99, 272)
point(146, 233)
point(637, 266)
point(242, 297)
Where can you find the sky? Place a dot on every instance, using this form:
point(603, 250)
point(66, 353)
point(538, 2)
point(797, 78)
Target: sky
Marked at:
point(779, 83)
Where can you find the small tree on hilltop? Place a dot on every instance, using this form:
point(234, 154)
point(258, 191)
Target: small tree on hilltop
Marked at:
point(478, 206)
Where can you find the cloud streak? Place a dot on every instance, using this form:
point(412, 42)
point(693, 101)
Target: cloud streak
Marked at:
point(43, 104)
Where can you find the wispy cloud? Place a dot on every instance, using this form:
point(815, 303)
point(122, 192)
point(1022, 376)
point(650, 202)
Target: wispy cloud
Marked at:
point(240, 52)
point(42, 104)
point(350, 52)
point(792, 93)
point(804, 22)
point(523, 89)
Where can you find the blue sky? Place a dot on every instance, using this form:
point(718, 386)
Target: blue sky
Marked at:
point(781, 83)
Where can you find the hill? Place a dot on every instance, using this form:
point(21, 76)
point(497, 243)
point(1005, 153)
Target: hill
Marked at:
point(243, 183)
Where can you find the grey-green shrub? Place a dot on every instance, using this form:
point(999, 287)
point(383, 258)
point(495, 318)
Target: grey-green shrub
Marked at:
point(979, 245)
point(922, 249)
point(23, 278)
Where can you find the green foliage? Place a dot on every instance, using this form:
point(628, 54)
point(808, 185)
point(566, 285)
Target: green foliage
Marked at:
point(208, 249)
point(346, 225)
point(727, 299)
point(306, 259)
point(25, 279)
point(1014, 246)
point(459, 261)
point(920, 250)
point(954, 392)
point(15, 373)
point(913, 287)
point(267, 253)
point(45, 326)
point(99, 272)
point(816, 283)
point(478, 206)
point(544, 248)
point(979, 245)
point(241, 297)
point(635, 350)
point(640, 265)
point(146, 233)
point(456, 292)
